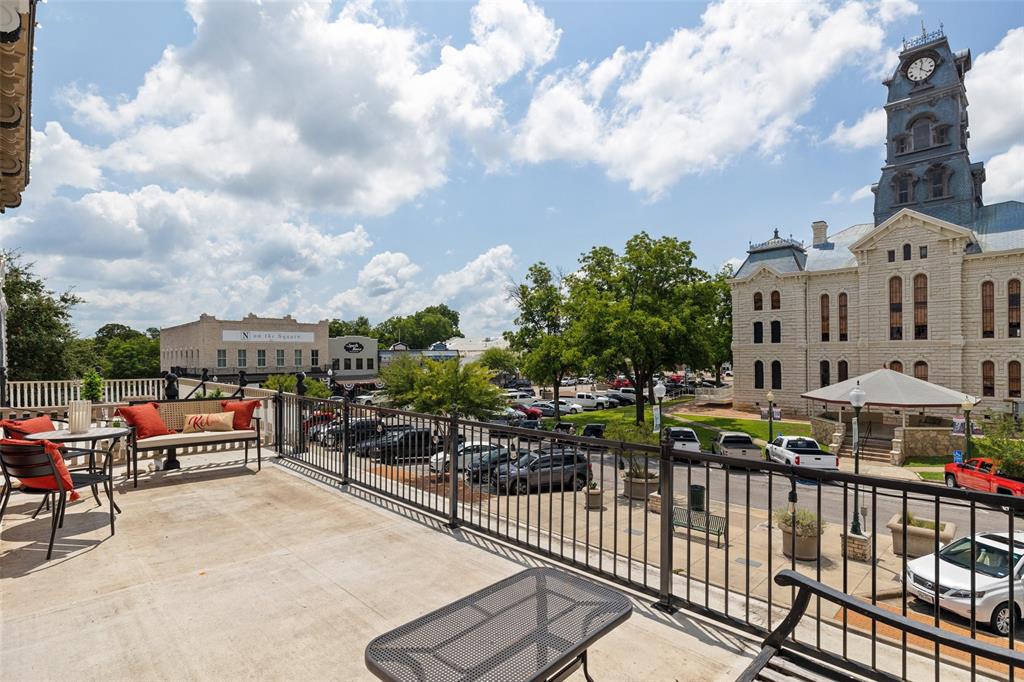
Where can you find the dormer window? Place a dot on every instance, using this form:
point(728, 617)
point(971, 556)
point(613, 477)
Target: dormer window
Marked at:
point(903, 184)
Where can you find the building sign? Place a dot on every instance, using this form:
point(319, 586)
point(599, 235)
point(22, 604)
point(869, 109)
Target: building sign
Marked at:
point(353, 347)
point(266, 337)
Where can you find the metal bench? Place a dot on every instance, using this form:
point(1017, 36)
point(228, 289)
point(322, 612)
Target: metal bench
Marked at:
point(764, 668)
point(702, 521)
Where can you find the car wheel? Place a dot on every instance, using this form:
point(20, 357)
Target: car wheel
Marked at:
point(522, 487)
point(581, 483)
point(1000, 621)
point(951, 481)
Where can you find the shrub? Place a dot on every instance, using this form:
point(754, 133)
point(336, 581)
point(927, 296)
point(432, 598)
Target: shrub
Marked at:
point(920, 523)
point(92, 386)
point(1002, 443)
point(807, 522)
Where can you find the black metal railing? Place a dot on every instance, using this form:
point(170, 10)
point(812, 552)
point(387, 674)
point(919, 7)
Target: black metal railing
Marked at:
point(713, 540)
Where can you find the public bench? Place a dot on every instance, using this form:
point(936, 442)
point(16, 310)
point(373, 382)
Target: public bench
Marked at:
point(762, 667)
point(702, 521)
point(173, 413)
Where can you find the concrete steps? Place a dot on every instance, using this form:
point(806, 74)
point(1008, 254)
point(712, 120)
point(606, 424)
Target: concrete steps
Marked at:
point(870, 450)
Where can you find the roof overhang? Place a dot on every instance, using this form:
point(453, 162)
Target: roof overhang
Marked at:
point(907, 216)
point(17, 34)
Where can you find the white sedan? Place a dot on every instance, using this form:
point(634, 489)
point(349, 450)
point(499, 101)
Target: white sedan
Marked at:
point(547, 407)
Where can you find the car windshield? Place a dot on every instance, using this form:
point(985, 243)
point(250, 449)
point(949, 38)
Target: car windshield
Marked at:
point(993, 561)
point(525, 459)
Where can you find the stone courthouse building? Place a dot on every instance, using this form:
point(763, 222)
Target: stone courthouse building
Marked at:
point(930, 287)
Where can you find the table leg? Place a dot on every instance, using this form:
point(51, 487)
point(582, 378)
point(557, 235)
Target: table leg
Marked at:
point(108, 483)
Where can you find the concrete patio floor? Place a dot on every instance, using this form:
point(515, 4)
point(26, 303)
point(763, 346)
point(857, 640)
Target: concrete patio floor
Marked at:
point(217, 572)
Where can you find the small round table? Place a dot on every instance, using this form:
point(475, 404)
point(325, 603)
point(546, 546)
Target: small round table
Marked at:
point(92, 436)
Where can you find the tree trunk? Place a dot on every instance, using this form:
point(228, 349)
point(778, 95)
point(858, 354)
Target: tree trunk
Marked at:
point(718, 374)
point(639, 380)
point(558, 385)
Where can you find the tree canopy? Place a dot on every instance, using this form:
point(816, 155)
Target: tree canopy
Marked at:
point(422, 329)
point(436, 387)
point(500, 360)
point(357, 327)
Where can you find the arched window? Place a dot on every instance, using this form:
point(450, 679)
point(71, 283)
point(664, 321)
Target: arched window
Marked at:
point(988, 310)
point(922, 133)
point(843, 370)
point(776, 331)
point(896, 366)
point(823, 373)
point(758, 301)
point(1013, 371)
point(937, 181)
point(758, 374)
point(843, 305)
point(776, 300)
point(758, 332)
point(906, 252)
point(776, 374)
point(903, 187)
point(824, 317)
point(988, 378)
point(921, 370)
point(895, 309)
point(1013, 308)
point(920, 307)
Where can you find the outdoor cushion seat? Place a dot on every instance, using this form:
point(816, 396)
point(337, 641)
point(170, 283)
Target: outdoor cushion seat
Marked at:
point(196, 438)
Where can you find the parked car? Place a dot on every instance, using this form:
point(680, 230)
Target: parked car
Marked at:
point(375, 398)
point(622, 397)
point(592, 401)
point(528, 411)
point(621, 382)
point(980, 473)
point(358, 430)
point(585, 379)
point(495, 430)
point(801, 451)
point(481, 468)
point(543, 468)
point(568, 381)
point(533, 425)
point(736, 444)
point(547, 407)
point(465, 455)
point(993, 562)
point(520, 397)
point(683, 438)
point(407, 444)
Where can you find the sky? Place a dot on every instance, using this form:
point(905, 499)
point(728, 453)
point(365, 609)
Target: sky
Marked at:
point(331, 159)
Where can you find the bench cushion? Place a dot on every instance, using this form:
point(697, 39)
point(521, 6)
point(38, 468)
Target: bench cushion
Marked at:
point(145, 418)
point(198, 438)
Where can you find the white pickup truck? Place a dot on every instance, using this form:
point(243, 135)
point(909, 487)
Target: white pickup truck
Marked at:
point(736, 444)
point(592, 401)
point(801, 451)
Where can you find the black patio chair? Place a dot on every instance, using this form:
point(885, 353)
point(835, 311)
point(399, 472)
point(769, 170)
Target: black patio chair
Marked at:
point(24, 460)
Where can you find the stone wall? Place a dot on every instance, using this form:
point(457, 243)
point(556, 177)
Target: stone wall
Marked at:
point(928, 441)
point(823, 430)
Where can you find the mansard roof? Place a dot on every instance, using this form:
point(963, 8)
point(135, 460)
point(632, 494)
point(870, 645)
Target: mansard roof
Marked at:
point(1000, 227)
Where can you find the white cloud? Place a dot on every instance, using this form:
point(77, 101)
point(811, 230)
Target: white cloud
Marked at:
point(59, 160)
point(995, 89)
point(733, 263)
point(737, 82)
point(862, 193)
point(891, 10)
point(1005, 176)
point(868, 131)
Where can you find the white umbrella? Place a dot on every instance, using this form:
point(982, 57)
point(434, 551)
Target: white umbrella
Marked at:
point(886, 388)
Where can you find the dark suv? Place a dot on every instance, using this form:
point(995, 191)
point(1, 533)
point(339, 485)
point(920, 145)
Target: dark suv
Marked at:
point(551, 469)
point(398, 445)
point(358, 431)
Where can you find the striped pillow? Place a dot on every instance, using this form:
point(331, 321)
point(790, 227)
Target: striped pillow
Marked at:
point(194, 423)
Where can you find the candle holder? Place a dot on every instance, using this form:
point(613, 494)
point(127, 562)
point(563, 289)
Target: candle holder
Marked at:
point(79, 415)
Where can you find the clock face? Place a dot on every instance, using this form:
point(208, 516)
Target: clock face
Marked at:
point(920, 69)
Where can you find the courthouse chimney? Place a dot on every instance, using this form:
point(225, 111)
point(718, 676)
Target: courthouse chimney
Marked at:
point(820, 230)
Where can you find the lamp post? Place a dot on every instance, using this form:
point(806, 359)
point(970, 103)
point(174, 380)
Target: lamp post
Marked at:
point(771, 416)
point(659, 394)
point(966, 407)
point(857, 400)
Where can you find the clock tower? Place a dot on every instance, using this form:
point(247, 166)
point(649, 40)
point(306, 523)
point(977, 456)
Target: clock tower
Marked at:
point(927, 167)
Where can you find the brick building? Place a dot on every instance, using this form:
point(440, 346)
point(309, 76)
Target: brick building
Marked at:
point(259, 345)
point(931, 287)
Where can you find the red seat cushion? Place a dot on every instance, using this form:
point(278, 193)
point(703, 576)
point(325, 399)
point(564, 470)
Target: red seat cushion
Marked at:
point(17, 429)
point(146, 420)
point(243, 410)
point(46, 482)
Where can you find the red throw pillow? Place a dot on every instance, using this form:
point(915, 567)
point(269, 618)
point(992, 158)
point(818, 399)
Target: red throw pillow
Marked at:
point(145, 419)
point(243, 410)
point(46, 482)
point(18, 429)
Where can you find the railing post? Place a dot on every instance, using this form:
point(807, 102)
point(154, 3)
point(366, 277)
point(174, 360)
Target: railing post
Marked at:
point(664, 602)
point(345, 416)
point(453, 469)
point(300, 392)
point(279, 422)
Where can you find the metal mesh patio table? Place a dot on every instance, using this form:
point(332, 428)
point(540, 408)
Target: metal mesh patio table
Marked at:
point(535, 625)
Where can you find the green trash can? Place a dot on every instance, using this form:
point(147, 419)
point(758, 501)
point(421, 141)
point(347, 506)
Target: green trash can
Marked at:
point(697, 497)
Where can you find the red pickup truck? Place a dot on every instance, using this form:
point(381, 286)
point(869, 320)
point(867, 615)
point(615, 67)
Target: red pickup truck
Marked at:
point(980, 473)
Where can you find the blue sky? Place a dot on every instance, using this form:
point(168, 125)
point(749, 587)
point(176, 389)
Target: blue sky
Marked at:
point(334, 160)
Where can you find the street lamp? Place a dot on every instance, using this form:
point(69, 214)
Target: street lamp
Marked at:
point(659, 393)
point(857, 399)
point(771, 417)
point(966, 406)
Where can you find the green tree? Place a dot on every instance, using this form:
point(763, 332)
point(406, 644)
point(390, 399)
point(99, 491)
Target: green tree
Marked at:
point(132, 357)
point(640, 311)
point(543, 334)
point(153, 332)
point(716, 300)
point(39, 331)
point(357, 327)
point(1003, 443)
point(422, 329)
point(114, 331)
point(399, 377)
point(286, 382)
point(92, 386)
point(502, 361)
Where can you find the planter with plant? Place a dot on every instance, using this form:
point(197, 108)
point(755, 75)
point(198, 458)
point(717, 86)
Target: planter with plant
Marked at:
point(639, 479)
point(595, 496)
point(801, 531)
point(922, 536)
point(92, 386)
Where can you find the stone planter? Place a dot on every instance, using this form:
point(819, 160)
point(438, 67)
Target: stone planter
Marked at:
point(654, 503)
point(639, 488)
point(594, 498)
point(806, 546)
point(920, 541)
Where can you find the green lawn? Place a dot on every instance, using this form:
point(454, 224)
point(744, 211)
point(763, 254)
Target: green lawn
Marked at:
point(620, 424)
point(932, 475)
point(754, 427)
point(923, 461)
